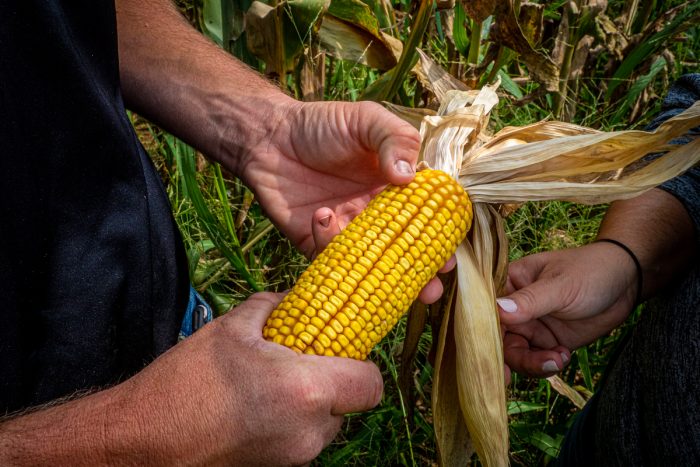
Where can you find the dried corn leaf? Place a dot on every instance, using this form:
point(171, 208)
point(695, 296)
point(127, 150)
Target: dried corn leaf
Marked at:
point(435, 78)
point(414, 116)
point(626, 186)
point(451, 434)
point(576, 158)
point(567, 391)
point(480, 377)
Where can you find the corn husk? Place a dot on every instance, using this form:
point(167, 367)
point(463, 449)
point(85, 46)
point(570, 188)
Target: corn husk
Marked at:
point(544, 161)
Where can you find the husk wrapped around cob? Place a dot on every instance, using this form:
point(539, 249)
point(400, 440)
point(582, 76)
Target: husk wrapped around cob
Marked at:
point(359, 287)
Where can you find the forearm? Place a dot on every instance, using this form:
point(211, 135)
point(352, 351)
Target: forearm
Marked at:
point(658, 229)
point(116, 425)
point(176, 77)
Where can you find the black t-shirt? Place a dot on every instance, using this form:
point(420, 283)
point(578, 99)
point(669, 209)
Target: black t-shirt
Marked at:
point(93, 277)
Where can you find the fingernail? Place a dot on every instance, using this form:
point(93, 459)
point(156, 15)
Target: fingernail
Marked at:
point(403, 167)
point(507, 305)
point(550, 366)
point(325, 221)
point(564, 357)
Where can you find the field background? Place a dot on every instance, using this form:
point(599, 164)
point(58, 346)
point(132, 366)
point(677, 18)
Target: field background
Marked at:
point(601, 64)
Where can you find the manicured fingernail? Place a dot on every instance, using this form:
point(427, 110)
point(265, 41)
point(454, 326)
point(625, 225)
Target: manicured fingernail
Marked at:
point(550, 366)
point(403, 167)
point(507, 305)
point(325, 221)
point(564, 357)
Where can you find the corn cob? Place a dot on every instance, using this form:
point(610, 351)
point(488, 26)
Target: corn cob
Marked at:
point(356, 290)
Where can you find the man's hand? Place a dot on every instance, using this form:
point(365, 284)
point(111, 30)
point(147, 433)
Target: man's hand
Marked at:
point(333, 155)
point(558, 301)
point(223, 396)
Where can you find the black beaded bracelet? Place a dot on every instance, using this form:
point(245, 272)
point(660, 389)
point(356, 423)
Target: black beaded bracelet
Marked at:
point(640, 279)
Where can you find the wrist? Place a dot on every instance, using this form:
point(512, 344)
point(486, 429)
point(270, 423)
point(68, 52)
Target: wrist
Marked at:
point(249, 125)
point(635, 260)
point(621, 270)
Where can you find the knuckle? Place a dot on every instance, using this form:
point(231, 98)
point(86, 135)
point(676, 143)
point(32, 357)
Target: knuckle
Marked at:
point(308, 393)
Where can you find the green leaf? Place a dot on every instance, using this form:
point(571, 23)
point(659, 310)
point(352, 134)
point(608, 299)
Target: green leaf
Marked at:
point(408, 58)
point(584, 366)
point(546, 443)
point(459, 33)
point(518, 407)
point(645, 49)
point(185, 157)
point(637, 88)
point(509, 85)
point(350, 31)
point(216, 20)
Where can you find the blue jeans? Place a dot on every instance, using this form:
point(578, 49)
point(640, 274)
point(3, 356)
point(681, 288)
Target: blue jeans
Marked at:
point(198, 314)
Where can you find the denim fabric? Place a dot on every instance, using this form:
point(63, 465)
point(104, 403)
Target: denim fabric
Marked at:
point(198, 314)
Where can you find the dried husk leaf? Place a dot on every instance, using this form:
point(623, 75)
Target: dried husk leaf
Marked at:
point(451, 434)
point(480, 377)
point(414, 116)
point(435, 78)
point(577, 158)
point(628, 185)
point(567, 391)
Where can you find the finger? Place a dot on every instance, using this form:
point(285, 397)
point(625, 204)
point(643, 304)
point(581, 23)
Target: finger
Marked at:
point(449, 265)
point(538, 299)
point(357, 384)
point(324, 226)
point(520, 357)
point(252, 314)
point(432, 292)
point(396, 141)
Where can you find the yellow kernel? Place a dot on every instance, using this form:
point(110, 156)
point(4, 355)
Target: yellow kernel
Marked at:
point(383, 267)
point(365, 313)
point(393, 253)
point(318, 347)
point(335, 328)
point(335, 346)
point(350, 332)
point(298, 328)
point(413, 231)
point(329, 309)
point(342, 319)
point(289, 341)
point(345, 288)
point(357, 300)
point(393, 225)
point(312, 329)
point(401, 219)
point(324, 340)
point(276, 323)
point(278, 339)
point(299, 345)
point(401, 243)
point(306, 337)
